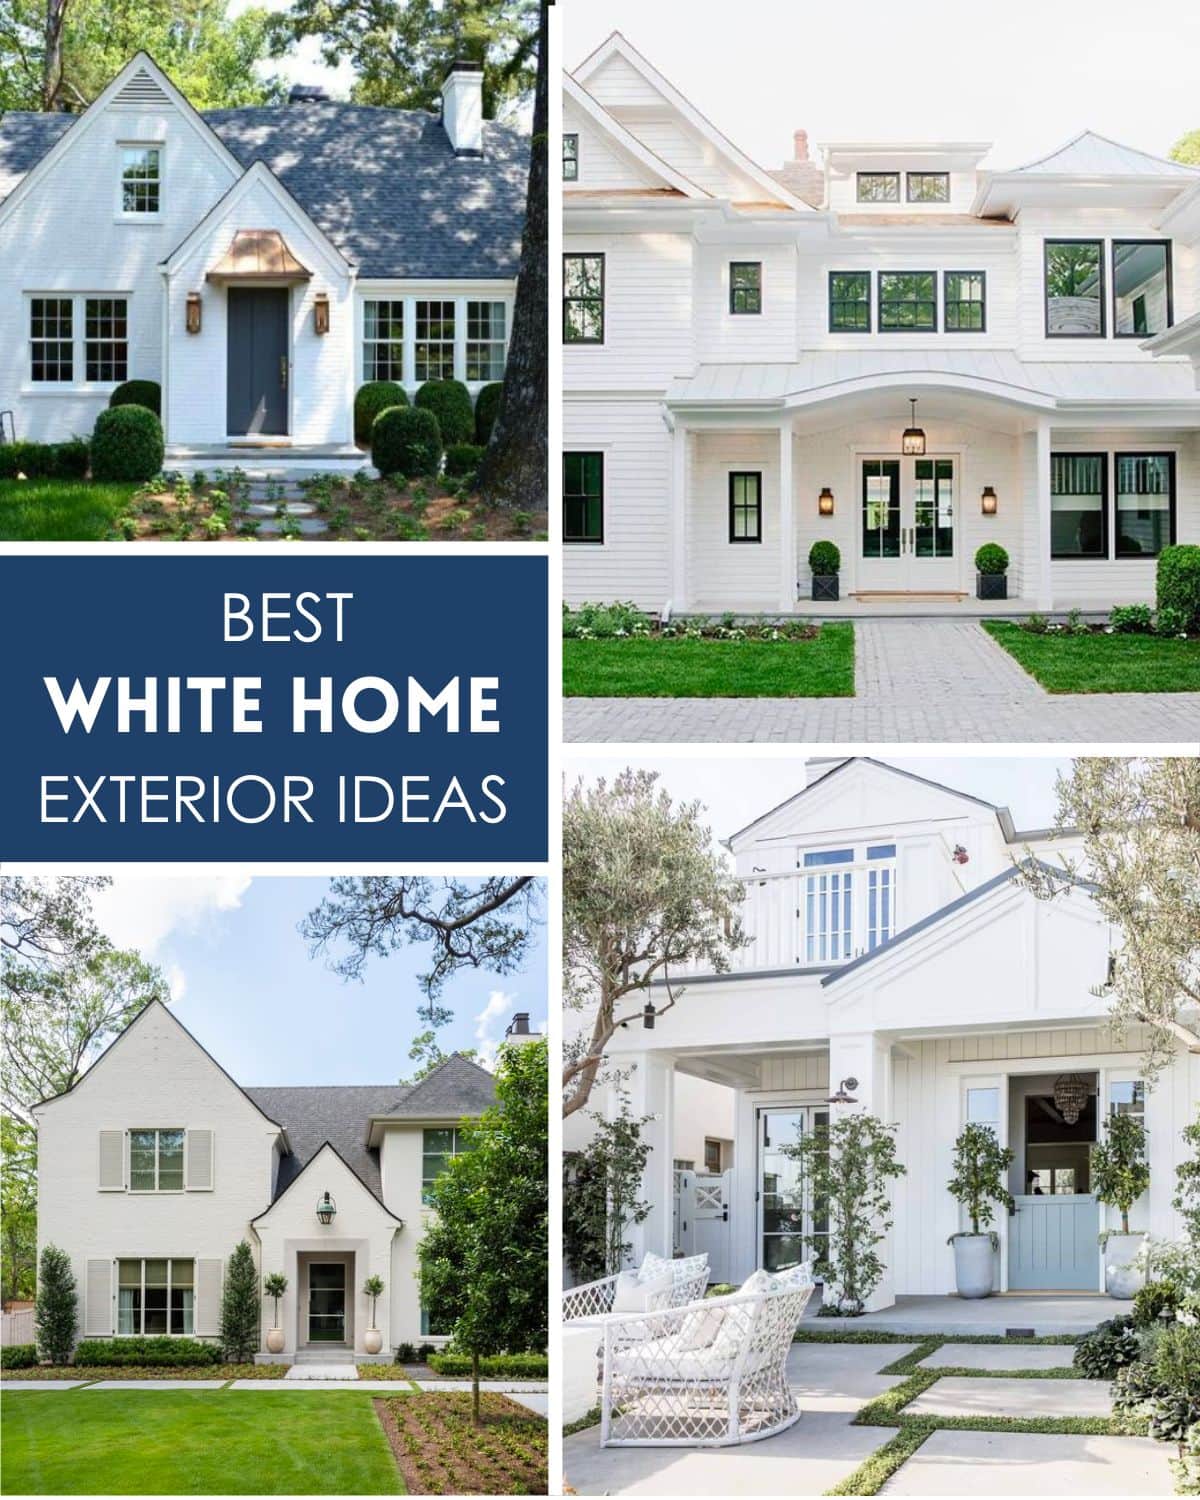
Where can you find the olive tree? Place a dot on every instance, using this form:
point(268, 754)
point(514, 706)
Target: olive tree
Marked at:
point(980, 1162)
point(1120, 1174)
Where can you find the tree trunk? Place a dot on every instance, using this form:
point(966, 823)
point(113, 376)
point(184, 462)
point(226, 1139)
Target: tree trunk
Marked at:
point(52, 60)
point(513, 474)
point(475, 1389)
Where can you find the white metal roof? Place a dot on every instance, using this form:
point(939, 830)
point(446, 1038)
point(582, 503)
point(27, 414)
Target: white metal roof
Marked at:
point(1093, 155)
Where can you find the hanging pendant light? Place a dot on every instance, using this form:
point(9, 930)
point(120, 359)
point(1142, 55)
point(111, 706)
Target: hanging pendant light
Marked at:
point(1070, 1095)
point(912, 442)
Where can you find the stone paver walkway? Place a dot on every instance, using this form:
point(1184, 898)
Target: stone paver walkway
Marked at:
point(1001, 1463)
point(1000, 1357)
point(915, 681)
point(156, 1385)
point(7, 1386)
point(970, 1396)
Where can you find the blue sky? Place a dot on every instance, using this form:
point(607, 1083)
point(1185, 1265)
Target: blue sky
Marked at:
point(246, 987)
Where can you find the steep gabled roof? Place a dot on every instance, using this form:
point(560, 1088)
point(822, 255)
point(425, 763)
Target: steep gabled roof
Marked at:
point(1090, 154)
point(607, 123)
point(282, 1187)
point(455, 1089)
point(336, 1113)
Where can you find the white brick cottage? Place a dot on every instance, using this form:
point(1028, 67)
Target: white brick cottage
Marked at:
point(259, 263)
point(156, 1164)
point(741, 348)
point(895, 957)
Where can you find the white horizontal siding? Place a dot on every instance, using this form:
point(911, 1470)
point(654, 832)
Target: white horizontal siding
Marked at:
point(600, 164)
point(697, 158)
point(648, 335)
point(724, 574)
point(769, 335)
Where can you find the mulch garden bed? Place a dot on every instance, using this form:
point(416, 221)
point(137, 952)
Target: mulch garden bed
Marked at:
point(440, 1451)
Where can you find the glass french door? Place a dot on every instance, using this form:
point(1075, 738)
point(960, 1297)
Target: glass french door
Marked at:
point(327, 1303)
point(907, 531)
point(793, 1222)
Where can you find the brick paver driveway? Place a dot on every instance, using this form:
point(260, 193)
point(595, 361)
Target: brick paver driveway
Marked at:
point(915, 680)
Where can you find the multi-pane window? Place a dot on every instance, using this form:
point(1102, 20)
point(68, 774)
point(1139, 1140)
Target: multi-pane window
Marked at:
point(383, 340)
point(849, 301)
point(438, 1148)
point(155, 1297)
point(1074, 288)
point(933, 507)
point(435, 341)
point(849, 901)
point(570, 158)
point(1078, 505)
point(106, 338)
point(583, 497)
point(583, 299)
point(1127, 1098)
point(51, 339)
point(1141, 287)
point(745, 286)
point(156, 1161)
point(878, 187)
point(141, 179)
point(1145, 493)
point(881, 892)
point(965, 300)
point(486, 324)
point(929, 187)
point(907, 301)
point(745, 507)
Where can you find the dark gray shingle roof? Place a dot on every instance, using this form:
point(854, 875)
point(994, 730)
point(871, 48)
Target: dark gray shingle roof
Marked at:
point(24, 140)
point(455, 1088)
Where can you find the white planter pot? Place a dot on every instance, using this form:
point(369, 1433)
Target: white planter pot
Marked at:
point(1121, 1277)
point(275, 1340)
point(372, 1341)
point(973, 1265)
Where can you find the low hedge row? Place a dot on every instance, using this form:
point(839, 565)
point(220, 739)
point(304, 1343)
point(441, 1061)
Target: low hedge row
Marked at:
point(18, 1356)
point(1177, 584)
point(44, 460)
point(495, 1366)
point(146, 1351)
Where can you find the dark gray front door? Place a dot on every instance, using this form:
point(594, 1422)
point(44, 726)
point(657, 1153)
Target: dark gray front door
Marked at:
point(257, 360)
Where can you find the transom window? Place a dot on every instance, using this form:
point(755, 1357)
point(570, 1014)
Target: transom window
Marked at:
point(849, 301)
point(486, 323)
point(106, 338)
point(928, 187)
point(583, 497)
point(156, 1161)
point(745, 286)
point(435, 341)
point(907, 301)
point(878, 187)
point(965, 301)
point(1074, 289)
point(1145, 503)
point(583, 299)
point(745, 507)
point(51, 339)
point(383, 340)
point(849, 901)
point(1128, 1098)
point(141, 179)
point(155, 1296)
point(1141, 287)
point(1078, 505)
point(983, 1108)
point(438, 1147)
point(570, 158)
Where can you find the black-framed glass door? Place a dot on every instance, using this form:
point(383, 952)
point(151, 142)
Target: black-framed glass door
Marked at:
point(327, 1302)
point(907, 524)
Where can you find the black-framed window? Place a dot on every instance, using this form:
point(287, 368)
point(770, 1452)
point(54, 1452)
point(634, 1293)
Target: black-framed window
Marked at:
point(1079, 505)
point(849, 301)
point(1144, 513)
point(745, 286)
point(570, 158)
point(1074, 278)
point(745, 507)
point(964, 297)
point(583, 497)
point(51, 340)
point(908, 301)
point(877, 187)
point(1142, 302)
point(928, 187)
point(583, 299)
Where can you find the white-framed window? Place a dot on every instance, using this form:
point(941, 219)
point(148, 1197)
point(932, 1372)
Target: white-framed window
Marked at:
point(141, 181)
point(156, 1161)
point(52, 340)
point(439, 1146)
point(982, 1107)
point(849, 903)
point(487, 340)
point(434, 340)
point(106, 339)
point(155, 1297)
point(383, 339)
point(76, 339)
point(1127, 1097)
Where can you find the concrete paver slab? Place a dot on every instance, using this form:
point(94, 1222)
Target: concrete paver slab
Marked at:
point(156, 1385)
point(1002, 1357)
point(40, 1385)
point(340, 1371)
point(537, 1402)
point(841, 1377)
point(972, 1396)
point(1002, 1463)
point(1069, 1313)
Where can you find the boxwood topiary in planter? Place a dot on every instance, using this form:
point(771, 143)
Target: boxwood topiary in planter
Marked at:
point(824, 561)
point(147, 393)
point(487, 404)
point(370, 400)
point(406, 440)
point(991, 568)
point(450, 402)
point(127, 443)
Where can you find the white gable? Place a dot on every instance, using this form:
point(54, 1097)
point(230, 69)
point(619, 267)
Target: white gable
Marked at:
point(617, 84)
point(1092, 155)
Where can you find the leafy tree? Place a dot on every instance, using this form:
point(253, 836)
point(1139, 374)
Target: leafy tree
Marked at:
point(373, 1288)
point(426, 1053)
point(1187, 1185)
point(1119, 1173)
point(601, 1183)
point(1187, 149)
point(239, 1306)
point(483, 1259)
point(18, 1208)
point(980, 1162)
point(643, 892)
point(275, 1286)
point(56, 1306)
point(1140, 823)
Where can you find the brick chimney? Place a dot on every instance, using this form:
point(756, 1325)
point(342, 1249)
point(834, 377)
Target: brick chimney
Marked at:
point(799, 145)
point(462, 108)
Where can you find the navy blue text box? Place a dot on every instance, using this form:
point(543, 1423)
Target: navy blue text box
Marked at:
point(426, 618)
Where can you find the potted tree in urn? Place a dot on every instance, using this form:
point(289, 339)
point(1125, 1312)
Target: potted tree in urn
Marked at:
point(274, 1286)
point(1120, 1175)
point(373, 1339)
point(824, 561)
point(980, 1162)
point(991, 572)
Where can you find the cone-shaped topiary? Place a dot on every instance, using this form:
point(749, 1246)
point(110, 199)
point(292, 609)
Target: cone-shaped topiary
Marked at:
point(56, 1304)
point(406, 440)
point(487, 404)
point(370, 400)
point(240, 1307)
point(450, 402)
point(127, 443)
point(147, 393)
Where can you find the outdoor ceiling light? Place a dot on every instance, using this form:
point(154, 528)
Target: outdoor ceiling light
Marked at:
point(321, 312)
point(825, 502)
point(1070, 1095)
point(843, 1095)
point(192, 317)
point(326, 1209)
point(988, 500)
point(912, 442)
point(648, 1016)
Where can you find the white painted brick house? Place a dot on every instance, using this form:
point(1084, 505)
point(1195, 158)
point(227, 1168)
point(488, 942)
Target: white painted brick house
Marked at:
point(259, 264)
point(741, 347)
point(157, 1163)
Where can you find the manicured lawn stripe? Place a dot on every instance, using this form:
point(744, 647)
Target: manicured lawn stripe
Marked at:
point(59, 510)
point(1102, 663)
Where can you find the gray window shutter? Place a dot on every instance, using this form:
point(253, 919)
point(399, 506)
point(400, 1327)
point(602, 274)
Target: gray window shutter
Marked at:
point(199, 1160)
point(112, 1161)
point(207, 1318)
point(98, 1315)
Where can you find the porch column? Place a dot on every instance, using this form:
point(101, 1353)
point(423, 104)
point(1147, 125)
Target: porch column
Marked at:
point(787, 523)
point(679, 568)
point(652, 1092)
point(1035, 569)
point(867, 1058)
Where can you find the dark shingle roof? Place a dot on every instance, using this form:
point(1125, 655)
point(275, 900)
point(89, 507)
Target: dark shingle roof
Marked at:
point(455, 1088)
point(383, 184)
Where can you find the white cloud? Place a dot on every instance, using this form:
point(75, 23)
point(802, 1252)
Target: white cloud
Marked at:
point(142, 914)
point(489, 1025)
point(176, 982)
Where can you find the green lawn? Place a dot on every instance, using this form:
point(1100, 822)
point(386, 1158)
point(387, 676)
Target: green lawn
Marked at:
point(195, 1443)
point(59, 510)
point(1102, 663)
point(655, 668)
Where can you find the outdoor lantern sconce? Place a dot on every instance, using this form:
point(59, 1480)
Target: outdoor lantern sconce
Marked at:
point(843, 1095)
point(321, 312)
point(326, 1209)
point(648, 1016)
point(192, 318)
point(912, 441)
point(825, 502)
point(988, 500)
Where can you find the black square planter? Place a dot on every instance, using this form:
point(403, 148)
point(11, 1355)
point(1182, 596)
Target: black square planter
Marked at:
point(991, 585)
point(825, 586)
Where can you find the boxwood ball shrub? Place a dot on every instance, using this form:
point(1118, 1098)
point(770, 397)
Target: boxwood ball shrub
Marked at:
point(1178, 582)
point(824, 559)
point(462, 458)
point(406, 440)
point(127, 443)
point(18, 1356)
point(487, 404)
point(450, 402)
point(991, 558)
point(370, 400)
point(147, 393)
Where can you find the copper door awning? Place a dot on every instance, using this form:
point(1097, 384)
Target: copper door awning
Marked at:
point(259, 255)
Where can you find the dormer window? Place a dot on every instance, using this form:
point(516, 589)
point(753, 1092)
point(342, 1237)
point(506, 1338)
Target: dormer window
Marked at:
point(879, 187)
point(745, 286)
point(141, 181)
point(570, 158)
point(929, 187)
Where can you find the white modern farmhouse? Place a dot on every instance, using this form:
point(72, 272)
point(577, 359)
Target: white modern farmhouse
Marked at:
point(897, 350)
point(259, 264)
point(898, 965)
point(156, 1164)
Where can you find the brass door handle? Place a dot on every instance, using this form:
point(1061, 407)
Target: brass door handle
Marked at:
point(283, 371)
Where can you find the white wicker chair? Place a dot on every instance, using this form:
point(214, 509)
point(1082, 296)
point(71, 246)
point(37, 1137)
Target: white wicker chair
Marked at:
point(689, 1280)
point(708, 1375)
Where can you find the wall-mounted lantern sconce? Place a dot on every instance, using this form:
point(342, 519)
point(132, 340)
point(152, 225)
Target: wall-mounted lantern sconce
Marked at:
point(825, 502)
point(192, 321)
point(844, 1095)
point(321, 312)
point(988, 500)
point(326, 1209)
